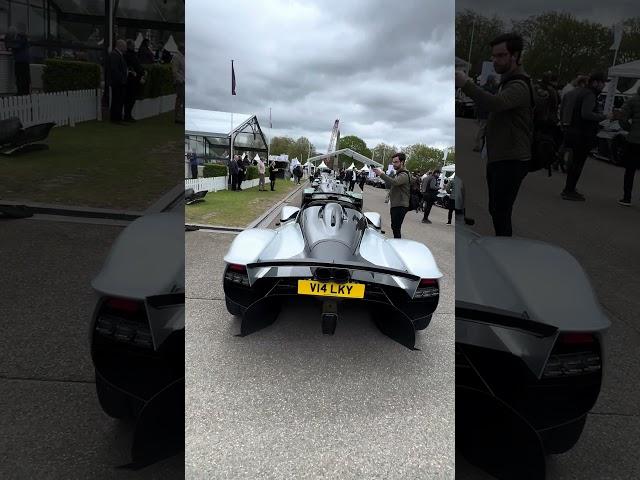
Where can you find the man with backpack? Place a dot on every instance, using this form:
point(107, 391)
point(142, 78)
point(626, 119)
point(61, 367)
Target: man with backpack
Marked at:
point(509, 128)
point(429, 189)
point(399, 193)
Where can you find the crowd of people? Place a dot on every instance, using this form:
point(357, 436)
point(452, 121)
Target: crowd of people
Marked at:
point(525, 125)
point(351, 176)
point(238, 167)
point(127, 75)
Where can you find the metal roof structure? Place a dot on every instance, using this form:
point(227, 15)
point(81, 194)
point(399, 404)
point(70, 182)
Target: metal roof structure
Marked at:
point(218, 128)
point(349, 153)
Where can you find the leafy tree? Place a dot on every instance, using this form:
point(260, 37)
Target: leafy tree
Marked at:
point(280, 145)
point(421, 157)
point(300, 149)
point(485, 30)
point(382, 153)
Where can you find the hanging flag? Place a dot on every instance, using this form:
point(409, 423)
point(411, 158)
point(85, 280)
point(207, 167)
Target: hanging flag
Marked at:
point(618, 29)
point(233, 80)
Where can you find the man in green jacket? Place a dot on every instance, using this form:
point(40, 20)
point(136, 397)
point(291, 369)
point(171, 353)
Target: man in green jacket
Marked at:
point(399, 194)
point(630, 121)
point(509, 128)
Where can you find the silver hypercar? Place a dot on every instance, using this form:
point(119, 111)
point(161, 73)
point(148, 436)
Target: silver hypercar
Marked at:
point(328, 252)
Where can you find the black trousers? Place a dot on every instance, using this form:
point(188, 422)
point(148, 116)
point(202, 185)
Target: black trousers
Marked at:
point(631, 164)
point(504, 179)
point(23, 78)
point(234, 181)
point(429, 200)
point(397, 217)
point(117, 101)
point(272, 181)
point(194, 171)
point(130, 98)
point(452, 207)
point(239, 179)
point(352, 184)
point(580, 153)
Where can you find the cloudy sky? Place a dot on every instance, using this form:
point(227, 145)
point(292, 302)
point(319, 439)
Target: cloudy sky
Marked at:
point(606, 12)
point(384, 68)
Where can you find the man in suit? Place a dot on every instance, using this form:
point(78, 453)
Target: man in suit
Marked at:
point(135, 74)
point(118, 74)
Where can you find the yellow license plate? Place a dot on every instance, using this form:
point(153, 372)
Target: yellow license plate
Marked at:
point(329, 289)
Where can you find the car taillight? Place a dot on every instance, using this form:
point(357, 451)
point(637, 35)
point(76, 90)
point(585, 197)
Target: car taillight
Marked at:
point(124, 305)
point(125, 321)
point(427, 288)
point(237, 274)
point(575, 353)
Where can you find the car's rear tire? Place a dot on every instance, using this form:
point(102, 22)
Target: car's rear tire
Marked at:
point(562, 439)
point(422, 323)
point(113, 402)
point(233, 308)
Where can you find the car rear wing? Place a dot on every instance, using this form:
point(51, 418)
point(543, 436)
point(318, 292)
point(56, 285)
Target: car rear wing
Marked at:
point(495, 329)
point(303, 262)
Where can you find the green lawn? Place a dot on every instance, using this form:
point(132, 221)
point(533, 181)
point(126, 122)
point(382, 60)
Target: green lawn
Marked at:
point(236, 209)
point(98, 164)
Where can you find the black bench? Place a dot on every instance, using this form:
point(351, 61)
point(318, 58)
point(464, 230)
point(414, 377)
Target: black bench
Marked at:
point(16, 139)
point(192, 197)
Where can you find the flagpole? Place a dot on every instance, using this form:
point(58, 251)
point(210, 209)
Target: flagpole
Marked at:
point(473, 29)
point(231, 131)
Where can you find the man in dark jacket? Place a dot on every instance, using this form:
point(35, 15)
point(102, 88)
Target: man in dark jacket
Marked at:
point(233, 170)
point(135, 74)
point(272, 175)
point(581, 133)
point(429, 189)
point(630, 121)
point(509, 128)
point(118, 74)
point(18, 43)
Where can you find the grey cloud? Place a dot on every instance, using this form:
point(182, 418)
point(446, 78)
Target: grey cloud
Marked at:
point(384, 68)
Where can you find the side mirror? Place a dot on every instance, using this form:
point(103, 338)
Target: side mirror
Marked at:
point(287, 212)
point(374, 218)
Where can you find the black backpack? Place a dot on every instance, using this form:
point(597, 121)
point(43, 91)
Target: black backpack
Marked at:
point(544, 149)
point(414, 195)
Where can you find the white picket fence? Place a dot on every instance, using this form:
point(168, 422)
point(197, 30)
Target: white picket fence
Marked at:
point(150, 107)
point(213, 184)
point(69, 108)
point(63, 108)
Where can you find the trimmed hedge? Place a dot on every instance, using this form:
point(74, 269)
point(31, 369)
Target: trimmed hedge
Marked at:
point(159, 81)
point(63, 75)
point(214, 170)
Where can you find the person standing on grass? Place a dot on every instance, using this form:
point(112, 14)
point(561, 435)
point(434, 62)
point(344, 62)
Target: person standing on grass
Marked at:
point(17, 41)
point(272, 175)
point(134, 77)
point(400, 189)
point(261, 171)
point(233, 170)
point(193, 163)
point(119, 73)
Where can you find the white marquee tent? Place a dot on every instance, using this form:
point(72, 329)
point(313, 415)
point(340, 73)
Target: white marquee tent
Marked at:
point(624, 70)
